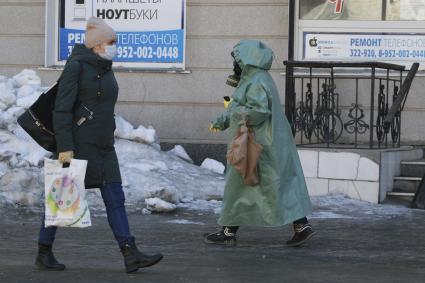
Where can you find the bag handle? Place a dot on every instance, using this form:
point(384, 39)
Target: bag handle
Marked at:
point(77, 101)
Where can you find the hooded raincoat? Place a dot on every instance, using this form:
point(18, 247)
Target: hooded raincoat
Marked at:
point(281, 197)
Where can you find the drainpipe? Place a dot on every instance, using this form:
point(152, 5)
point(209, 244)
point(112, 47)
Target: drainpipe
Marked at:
point(289, 84)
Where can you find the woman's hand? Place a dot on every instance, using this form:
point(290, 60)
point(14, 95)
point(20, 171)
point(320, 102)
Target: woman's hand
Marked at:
point(213, 129)
point(66, 156)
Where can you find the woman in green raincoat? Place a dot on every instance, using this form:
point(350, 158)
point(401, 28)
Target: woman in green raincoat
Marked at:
point(281, 197)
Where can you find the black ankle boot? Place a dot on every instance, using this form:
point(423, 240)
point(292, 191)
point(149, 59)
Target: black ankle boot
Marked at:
point(46, 260)
point(226, 236)
point(303, 232)
point(134, 259)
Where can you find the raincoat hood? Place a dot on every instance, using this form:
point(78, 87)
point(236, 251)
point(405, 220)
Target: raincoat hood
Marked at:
point(253, 53)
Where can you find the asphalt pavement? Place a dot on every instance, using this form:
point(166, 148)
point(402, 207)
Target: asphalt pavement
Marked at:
point(381, 249)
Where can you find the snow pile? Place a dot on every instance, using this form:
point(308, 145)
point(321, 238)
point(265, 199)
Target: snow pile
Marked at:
point(150, 173)
point(27, 78)
point(21, 188)
point(199, 204)
point(185, 222)
point(147, 173)
point(18, 89)
point(179, 151)
point(159, 205)
point(170, 195)
point(8, 118)
point(213, 165)
point(342, 207)
point(17, 149)
point(29, 88)
point(7, 94)
point(153, 180)
point(125, 130)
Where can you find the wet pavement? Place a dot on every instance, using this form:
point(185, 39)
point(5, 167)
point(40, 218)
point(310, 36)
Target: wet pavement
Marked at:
point(381, 248)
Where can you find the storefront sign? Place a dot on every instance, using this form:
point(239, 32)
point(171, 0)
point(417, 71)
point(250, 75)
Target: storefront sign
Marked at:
point(150, 33)
point(363, 46)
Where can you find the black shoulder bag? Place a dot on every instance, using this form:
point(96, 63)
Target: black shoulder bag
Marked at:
point(37, 121)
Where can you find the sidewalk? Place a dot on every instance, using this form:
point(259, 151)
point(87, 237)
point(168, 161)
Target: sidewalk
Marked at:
point(351, 247)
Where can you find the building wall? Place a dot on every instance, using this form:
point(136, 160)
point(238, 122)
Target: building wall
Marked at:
point(178, 106)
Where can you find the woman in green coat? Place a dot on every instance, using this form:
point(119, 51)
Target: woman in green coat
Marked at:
point(281, 197)
point(83, 120)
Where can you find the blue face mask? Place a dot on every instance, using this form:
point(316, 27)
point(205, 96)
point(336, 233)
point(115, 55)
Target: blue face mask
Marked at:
point(110, 52)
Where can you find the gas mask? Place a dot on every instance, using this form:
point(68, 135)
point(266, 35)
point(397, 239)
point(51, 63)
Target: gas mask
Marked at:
point(233, 80)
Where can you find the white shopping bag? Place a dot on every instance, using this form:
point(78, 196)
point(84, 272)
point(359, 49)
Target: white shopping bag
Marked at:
point(65, 203)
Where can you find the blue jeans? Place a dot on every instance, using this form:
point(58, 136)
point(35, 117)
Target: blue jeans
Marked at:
point(113, 197)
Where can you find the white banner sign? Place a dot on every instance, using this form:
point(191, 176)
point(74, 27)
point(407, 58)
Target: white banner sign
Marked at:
point(150, 33)
point(363, 46)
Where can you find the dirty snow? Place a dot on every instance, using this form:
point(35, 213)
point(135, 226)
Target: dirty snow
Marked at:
point(153, 180)
point(213, 165)
point(185, 222)
point(159, 205)
point(125, 130)
point(179, 151)
point(340, 206)
point(148, 172)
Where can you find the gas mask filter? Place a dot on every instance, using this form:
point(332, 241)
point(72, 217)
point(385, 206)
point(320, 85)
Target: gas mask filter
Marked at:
point(233, 80)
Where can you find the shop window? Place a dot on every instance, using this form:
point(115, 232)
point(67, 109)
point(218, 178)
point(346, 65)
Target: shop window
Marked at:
point(356, 10)
point(360, 30)
point(362, 10)
point(405, 10)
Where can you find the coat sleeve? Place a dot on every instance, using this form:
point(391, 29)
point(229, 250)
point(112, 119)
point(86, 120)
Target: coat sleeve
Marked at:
point(256, 109)
point(221, 122)
point(64, 104)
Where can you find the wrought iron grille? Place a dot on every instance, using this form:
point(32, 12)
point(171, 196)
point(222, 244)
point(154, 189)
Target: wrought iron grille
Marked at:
point(346, 104)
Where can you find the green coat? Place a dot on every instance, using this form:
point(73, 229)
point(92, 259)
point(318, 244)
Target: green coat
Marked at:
point(281, 197)
point(88, 80)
